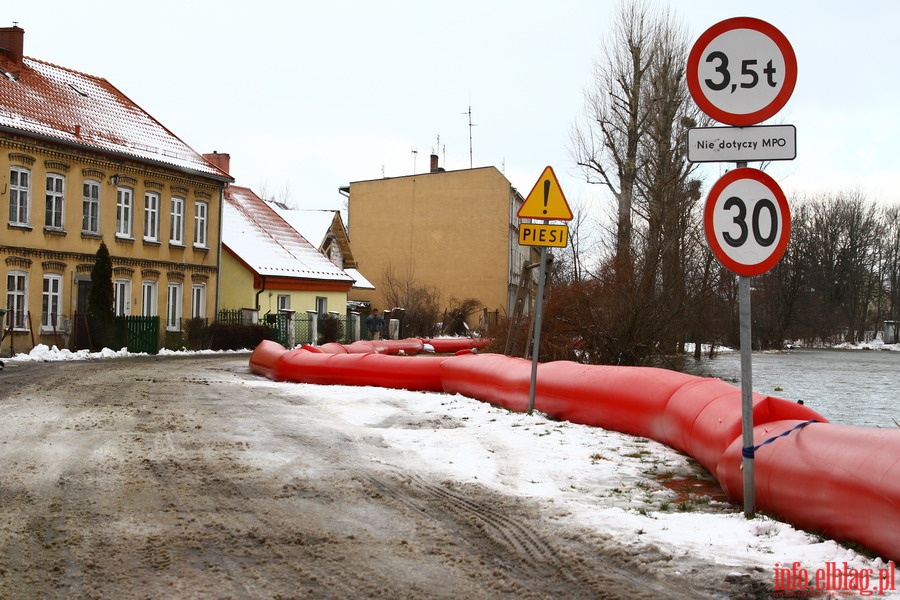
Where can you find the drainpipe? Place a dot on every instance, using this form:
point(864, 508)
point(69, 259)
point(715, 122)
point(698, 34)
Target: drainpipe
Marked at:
point(219, 252)
point(259, 293)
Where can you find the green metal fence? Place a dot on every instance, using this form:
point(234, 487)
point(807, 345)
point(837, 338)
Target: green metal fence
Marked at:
point(143, 334)
point(137, 334)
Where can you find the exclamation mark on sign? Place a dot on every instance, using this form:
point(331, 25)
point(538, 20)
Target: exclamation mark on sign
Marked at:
point(546, 193)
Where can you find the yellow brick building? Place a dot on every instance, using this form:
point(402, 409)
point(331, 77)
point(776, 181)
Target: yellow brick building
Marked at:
point(454, 230)
point(80, 164)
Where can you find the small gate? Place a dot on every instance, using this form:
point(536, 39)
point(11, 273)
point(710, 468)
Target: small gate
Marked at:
point(279, 323)
point(138, 334)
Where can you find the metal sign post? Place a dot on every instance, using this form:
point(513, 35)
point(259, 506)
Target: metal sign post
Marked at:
point(538, 317)
point(546, 202)
point(747, 396)
point(742, 71)
point(746, 390)
point(748, 223)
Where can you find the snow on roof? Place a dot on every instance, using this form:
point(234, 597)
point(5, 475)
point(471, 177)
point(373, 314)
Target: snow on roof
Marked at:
point(47, 100)
point(361, 282)
point(311, 224)
point(314, 225)
point(265, 242)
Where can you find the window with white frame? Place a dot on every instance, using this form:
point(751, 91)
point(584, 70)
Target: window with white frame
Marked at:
point(51, 302)
point(321, 305)
point(198, 301)
point(176, 234)
point(55, 195)
point(16, 299)
point(173, 308)
point(122, 297)
point(19, 191)
point(151, 217)
point(90, 207)
point(148, 299)
point(124, 212)
point(200, 223)
point(284, 302)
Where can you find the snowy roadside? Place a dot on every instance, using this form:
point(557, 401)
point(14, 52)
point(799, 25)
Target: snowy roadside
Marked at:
point(648, 497)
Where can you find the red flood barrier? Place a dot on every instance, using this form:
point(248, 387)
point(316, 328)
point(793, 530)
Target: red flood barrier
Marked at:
point(452, 345)
point(304, 365)
point(840, 481)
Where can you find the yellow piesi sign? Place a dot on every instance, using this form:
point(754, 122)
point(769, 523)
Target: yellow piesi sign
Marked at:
point(534, 234)
point(546, 200)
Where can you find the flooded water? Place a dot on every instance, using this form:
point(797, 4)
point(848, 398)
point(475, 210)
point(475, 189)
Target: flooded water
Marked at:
point(848, 387)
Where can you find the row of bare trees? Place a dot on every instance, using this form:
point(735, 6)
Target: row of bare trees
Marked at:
point(657, 284)
point(840, 277)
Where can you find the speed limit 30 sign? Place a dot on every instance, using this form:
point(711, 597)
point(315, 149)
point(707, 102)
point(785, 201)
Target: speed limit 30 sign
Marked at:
point(747, 221)
point(741, 71)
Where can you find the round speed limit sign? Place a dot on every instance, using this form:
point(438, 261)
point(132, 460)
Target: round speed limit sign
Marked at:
point(747, 221)
point(741, 71)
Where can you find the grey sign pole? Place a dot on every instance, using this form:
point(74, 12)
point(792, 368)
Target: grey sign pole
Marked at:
point(538, 317)
point(746, 390)
point(746, 394)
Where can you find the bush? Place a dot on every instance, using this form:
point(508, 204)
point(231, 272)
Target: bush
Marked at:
point(330, 329)
point(226, 336)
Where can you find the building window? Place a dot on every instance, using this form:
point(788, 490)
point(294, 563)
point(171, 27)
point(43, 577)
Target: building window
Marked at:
point(16, 300)
point(53, 216)
point(176, 235)
point(151, 217)
point(148, 299)
point(124, 212)
point(19, 186)
point(321, 305)
point(90, 207)
point(122, 295)
point(284, 302)
point(173, 309)
point(198, 301)
point(200, 227)
point(51, 302)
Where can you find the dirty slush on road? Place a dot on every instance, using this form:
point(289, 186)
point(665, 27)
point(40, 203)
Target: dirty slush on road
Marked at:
point(169, 477)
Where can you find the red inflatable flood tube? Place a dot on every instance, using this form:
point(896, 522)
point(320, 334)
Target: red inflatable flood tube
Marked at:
point(264, 357)
point(312, 366)
point(698, 416)
point(452, 345)
point(843, 482)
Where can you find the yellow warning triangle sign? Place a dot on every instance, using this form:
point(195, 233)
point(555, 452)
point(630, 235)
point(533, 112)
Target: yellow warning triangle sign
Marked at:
point(546, 200)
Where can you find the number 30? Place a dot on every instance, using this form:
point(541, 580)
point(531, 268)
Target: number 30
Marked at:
point(741, 221)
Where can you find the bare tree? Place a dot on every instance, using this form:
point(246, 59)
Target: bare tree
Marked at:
point(632, 142)
point(605, 145)
point(402, 289)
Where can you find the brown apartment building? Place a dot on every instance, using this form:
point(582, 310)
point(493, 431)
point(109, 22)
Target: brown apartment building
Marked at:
point(455, 231)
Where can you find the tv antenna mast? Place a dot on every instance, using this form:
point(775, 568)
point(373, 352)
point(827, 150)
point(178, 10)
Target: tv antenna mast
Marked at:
point(415, 154)
point(469, 112)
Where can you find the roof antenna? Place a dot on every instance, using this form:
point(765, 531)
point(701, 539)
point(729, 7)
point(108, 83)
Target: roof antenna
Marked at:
point(470, 133)
point(415, 154)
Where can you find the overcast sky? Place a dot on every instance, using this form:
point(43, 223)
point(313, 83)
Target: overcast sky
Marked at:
point(310, 96)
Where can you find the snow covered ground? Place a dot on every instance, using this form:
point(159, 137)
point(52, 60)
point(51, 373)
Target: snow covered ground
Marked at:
point(642, 493)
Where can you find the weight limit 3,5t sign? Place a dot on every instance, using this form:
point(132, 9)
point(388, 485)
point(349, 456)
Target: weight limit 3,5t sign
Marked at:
point(747, 221)
point(741, 71)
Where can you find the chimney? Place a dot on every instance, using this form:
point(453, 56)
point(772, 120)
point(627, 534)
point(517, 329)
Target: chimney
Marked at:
point(12, 43)
point(220, 161)
point(434, 163)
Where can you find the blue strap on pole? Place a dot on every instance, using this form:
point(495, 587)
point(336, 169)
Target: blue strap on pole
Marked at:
point(750, 451)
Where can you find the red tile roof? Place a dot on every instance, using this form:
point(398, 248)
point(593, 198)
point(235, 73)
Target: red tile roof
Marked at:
point(60, 104)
